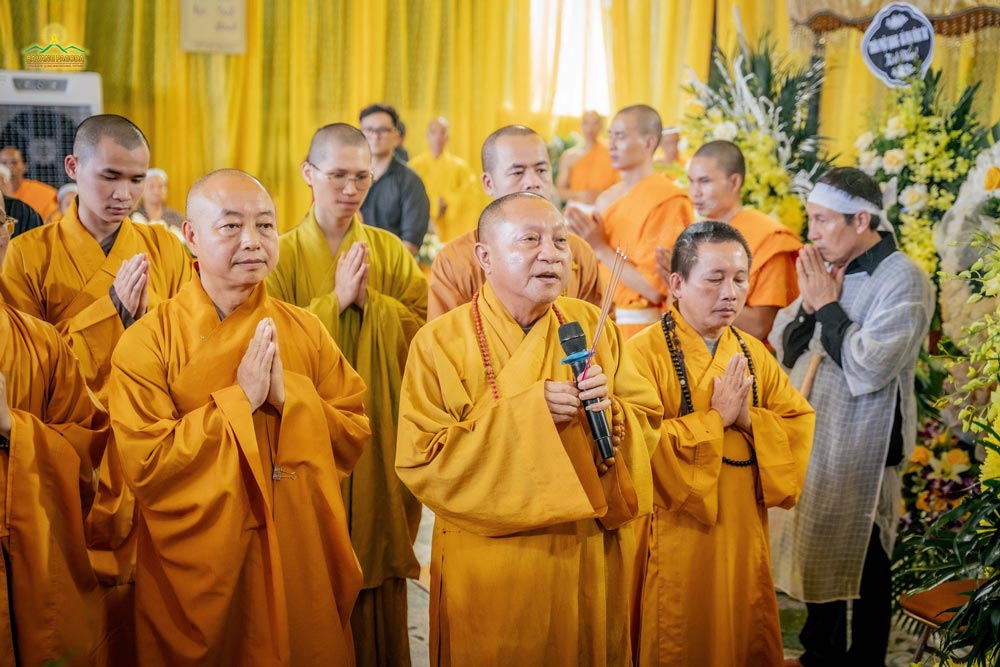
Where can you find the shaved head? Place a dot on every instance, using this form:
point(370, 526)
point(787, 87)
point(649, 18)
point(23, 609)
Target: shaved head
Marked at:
point(489, 155)
point(335, 134)
point(647, 119)
point(119, 129)
point(208, 185)
point(441, 122)
point(726, 154)
point(499, 211)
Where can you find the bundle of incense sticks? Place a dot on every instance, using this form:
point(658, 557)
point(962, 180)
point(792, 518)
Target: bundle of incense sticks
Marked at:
point(609, 300)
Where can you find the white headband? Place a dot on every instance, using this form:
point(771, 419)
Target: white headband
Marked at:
point(157, 172)
point(837, 200)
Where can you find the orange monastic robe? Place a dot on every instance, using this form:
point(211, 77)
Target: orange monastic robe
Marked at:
point(59, 274)
point(773, 280)
point(39, 196)
point(704, 584)
point(243, 552)
point(653, 213)
point(47, 483)
point(456, 275)
point(531, 555)
point(593, 171)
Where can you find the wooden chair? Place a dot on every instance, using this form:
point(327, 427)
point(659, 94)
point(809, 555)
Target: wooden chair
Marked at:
point(931, 609)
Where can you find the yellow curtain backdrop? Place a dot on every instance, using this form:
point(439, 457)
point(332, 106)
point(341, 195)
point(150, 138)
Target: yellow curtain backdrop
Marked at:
point(306, 64)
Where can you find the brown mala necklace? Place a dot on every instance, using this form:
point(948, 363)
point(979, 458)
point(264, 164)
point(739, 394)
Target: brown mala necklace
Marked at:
point(669, 327)
point(484, 348)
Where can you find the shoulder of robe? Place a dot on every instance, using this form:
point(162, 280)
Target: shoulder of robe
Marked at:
point(162, 240)
point(32, 335)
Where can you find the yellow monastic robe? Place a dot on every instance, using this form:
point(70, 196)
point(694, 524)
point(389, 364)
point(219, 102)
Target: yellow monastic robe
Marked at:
point(773, 279)
point(47, 485)
point(456, 275)
point(244, 556)
point(705, 593)
point(593, 171)
point(58, 273)
point(531, 554)
point(448, 177)
point(384, 516)
point(653, 213)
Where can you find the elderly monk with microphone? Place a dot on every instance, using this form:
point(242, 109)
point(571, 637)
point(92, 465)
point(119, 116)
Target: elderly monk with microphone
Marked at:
point(530, 558)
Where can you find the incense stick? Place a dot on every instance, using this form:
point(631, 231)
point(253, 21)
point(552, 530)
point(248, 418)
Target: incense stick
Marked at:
point(609, 299)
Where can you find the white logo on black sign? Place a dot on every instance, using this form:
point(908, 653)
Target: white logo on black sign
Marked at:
point(898, 44)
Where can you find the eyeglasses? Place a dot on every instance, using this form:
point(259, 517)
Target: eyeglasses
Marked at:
point(378, 131)
point(9, 223)
point(339, 181)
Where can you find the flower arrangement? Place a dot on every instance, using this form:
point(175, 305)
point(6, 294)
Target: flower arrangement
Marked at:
point(429, 249)
point(972, 549)
point(558, 146)
point(938, 476)
point(920, 153)
point(764, 105)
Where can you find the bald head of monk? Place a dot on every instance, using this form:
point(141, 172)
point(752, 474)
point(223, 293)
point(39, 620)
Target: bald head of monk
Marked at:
point(437, 135)
point(524, 251)
point(591, 124)
point(231, 228)
point(633, 137)
point(716, 176)
point(516, 159)
point(338, 170)
point(109, 163)
point(11, 158)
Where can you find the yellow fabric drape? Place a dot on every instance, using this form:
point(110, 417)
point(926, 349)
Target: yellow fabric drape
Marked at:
point(650, 45)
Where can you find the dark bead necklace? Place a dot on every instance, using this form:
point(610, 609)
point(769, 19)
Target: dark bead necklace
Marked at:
point(669, 327)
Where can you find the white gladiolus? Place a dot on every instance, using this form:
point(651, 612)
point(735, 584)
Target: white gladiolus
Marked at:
point(864, 141)
point(913, 198)
point(894, 128)
point(869, 162)
point(726, 130)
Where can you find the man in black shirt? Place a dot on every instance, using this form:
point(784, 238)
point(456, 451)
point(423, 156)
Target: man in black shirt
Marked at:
point(397, 200)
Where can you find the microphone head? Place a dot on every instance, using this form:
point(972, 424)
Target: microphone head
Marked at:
point(572, 338)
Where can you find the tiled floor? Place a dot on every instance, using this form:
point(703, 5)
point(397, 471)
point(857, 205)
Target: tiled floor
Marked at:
point(901, 645)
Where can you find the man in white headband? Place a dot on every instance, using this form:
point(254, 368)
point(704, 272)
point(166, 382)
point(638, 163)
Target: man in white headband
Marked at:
point(851, 342)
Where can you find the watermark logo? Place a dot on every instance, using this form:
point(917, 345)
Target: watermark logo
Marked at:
point(54, 56)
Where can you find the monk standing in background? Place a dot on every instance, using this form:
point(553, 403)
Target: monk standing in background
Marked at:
point(642, 212)
point(39, 196)
point(734, 440)
point(450, 183)
point(371, 296)
point(515, 159)
point(586, 171)
point(531, 555)
point(236, 417)
point(717, 172)
point(52, 439)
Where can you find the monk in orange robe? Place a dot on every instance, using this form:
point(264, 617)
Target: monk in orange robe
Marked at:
point(642, 212)
point(734, 438)
point(52, 439)
point(92, 275)
point(39, 196)
point(368, 292)
point(236, 417)
point(515, 159)
point(717, 172)
point(586, 171)
point(532, 549)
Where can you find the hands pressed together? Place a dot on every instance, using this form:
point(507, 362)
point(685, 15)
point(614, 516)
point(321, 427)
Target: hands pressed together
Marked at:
point(588, 226)
point(260, 374)
point(352, 276)
point(818, 285)
point(566, 398)
point(131, 284)
point(731, 392)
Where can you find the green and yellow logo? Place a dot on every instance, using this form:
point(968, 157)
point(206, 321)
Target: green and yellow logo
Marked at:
point(54, 56)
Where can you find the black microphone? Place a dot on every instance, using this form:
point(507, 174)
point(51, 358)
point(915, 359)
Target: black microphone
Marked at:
point(574, 344)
